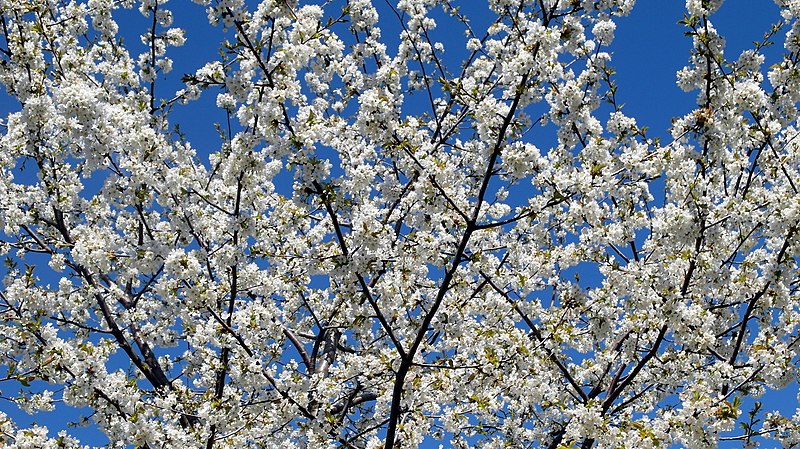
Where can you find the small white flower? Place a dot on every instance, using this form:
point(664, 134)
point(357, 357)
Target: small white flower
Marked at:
point(604, 31)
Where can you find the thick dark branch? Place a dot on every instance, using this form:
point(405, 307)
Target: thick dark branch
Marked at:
point(752, 304)
point(636, 369)
point(538, 336)
point(407, 361)
point(264, 372)
point(364, 286)
point(225, 353)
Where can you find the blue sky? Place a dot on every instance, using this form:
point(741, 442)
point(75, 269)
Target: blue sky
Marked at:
point(649, 48)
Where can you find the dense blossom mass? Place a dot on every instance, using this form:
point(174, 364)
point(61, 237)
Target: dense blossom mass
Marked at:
point(425, 222)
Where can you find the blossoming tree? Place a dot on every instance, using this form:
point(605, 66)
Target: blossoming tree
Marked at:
point(387, 250)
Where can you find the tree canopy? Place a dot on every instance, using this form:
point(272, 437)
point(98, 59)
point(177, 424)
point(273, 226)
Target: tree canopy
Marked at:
point(424, 222)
